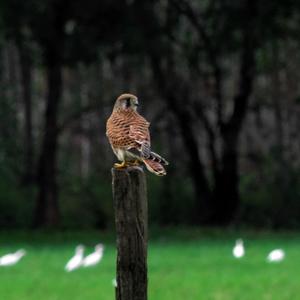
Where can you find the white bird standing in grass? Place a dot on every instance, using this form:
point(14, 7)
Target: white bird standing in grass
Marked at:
point(114, 282)
point(76, 261)
point(12, 258)
point(276, 255)
point(238, 250)
point(95, 257)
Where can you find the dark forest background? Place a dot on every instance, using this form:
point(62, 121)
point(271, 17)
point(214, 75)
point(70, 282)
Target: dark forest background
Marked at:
point(218, 80)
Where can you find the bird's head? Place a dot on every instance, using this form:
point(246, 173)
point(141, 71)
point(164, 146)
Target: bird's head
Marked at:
point(126, 102)
point(21, 252)
point(239, 242)
point(99, 247)
point(79, 249)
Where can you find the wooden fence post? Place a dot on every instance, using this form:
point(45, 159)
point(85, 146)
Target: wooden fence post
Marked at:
point(130, 202)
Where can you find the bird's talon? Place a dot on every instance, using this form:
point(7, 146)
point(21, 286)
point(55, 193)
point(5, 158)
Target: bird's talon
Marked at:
point(133, 163)
point(136, 163)
point(121, 165)
point(127, 164)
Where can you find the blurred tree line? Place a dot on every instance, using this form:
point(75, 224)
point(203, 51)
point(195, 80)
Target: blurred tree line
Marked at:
point(217, 79)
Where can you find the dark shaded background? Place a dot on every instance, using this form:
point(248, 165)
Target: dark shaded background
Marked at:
point(218, 80)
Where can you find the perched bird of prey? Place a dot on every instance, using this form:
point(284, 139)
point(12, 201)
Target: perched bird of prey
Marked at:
point(75, 261)
point(12, 258)
point(95, 257)
point(128, 134)
point(276, 255)
point(238, 250)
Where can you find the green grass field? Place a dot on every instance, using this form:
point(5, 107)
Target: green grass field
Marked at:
point(183, 265)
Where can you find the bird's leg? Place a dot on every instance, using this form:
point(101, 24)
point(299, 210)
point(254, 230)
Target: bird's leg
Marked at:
point(134, 163)
point(125, 164)
point(120, 166)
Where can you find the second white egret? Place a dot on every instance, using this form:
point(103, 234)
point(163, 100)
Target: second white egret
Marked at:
point(276, 255)
point(95, 257)
point(238, 250)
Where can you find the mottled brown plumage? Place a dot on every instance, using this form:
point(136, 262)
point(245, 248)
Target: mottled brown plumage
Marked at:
point(128, 134)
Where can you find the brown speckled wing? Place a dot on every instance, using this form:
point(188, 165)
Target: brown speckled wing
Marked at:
point(127, 129)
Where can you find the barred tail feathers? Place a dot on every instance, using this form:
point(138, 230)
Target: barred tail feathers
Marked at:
point(157, 158)
point(154, 167)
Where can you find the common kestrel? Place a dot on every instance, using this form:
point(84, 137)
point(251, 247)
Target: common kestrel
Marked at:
point(129, 137)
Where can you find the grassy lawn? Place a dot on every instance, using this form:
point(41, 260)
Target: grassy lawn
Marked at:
point(183, 265)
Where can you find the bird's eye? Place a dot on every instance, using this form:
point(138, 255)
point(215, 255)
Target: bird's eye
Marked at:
point(127, 102)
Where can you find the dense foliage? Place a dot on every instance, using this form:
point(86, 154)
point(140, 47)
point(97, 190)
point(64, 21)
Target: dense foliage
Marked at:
point(218, 80)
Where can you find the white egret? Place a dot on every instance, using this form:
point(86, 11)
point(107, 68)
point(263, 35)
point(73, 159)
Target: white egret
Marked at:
point(276, 255)
point(95, 257)
point(12, 258)
point(114, 282)
point(76, 261)
point(238, 250)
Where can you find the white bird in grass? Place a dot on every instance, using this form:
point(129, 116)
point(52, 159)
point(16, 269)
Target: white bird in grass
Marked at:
point(12, 258)
point(76, 261)
point(238, 250)
point(95, 257)
point(276, 255)
point(114, 282)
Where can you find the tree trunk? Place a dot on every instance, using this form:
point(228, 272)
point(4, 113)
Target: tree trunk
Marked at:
point(227, 198)
point(226, 192)
point(173, 94)
point(203, 203)
point(52, 44)
point(47, 211)
point(282, 174)
point(26, 82)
